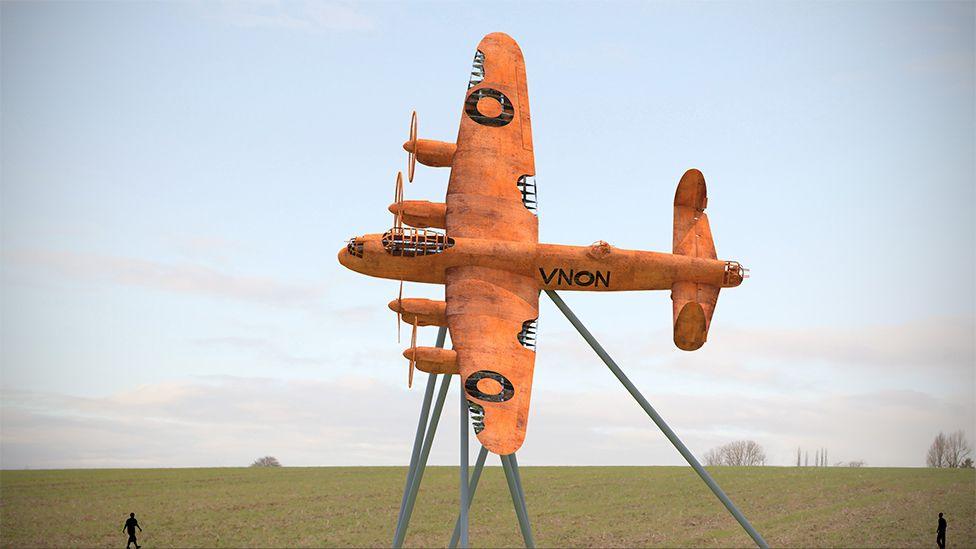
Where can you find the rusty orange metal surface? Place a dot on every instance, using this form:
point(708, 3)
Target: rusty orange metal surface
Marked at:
point(493, 266)
point(421, 213)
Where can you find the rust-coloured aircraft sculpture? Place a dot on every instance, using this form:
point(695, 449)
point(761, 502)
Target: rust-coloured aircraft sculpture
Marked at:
point(491, 262)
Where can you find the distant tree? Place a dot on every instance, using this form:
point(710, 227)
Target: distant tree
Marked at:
point(797, 456)
point(266, 461)
point(950, 450)
point(713, 457)
point(858, 463)
point(737, 453)
point(936, 454)
point(967, 463)
point(957, 450)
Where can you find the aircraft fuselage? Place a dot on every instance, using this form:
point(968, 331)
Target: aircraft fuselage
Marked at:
point(551, 266)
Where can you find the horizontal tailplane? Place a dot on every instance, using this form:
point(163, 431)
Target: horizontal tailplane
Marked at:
point(692, 235)
point(692, 307)
point(692, 303)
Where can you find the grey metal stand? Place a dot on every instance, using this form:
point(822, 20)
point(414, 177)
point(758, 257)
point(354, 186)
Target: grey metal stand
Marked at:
point(417, 443)
point(518, 497)
point(463, 497)
point(658, 420)
point(425, 431)
point(423, 440)
point(472, 486)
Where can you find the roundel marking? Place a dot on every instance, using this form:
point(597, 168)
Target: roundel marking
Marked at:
point(484, 99)
point(471, 386)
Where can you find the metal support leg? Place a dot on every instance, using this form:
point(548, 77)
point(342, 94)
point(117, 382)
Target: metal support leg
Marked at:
point(472, 486)
point(410, 496)
point(463, 480)
point(518, 485)
point(657, 419)
point(418, 443)
point(518, 499)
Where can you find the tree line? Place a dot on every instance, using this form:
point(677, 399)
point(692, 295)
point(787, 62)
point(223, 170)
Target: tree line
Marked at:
point(737, 453)
point(950, 450)
point(947, 450)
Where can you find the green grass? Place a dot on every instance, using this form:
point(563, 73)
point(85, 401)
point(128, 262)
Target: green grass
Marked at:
point(569, 507)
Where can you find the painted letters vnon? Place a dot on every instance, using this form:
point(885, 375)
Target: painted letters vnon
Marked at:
point(576, 278)
point(583, 278)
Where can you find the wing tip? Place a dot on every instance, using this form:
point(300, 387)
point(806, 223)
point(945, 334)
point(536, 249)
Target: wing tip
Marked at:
point(498, 40)
point(501, 446)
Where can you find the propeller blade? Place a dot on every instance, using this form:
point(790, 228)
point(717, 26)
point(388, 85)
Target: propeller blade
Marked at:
point(398, 199)
point(399, 310)
point(412, 159)
point(413, 359)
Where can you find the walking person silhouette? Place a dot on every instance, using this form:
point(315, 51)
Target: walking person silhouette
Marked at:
point(940, 533)
point(130, 526)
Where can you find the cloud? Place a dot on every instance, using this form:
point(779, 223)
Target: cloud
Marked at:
point(940, 349)
point(263, 348)
point(206, 248)
point(885, 428)
point(229, 421)
point(932, 341)
point(293, 15)
point(208, 421)
point(179, 278)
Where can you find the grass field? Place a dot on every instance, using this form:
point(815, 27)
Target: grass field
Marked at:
point(568, 506)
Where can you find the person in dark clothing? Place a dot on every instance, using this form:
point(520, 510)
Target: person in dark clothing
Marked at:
point(940, 533)
point(130, 526)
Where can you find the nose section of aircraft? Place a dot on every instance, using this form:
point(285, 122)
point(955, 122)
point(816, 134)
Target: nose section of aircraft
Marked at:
point(353, 252)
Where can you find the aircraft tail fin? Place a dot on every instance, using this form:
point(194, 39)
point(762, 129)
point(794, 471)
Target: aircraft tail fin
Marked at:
point(692, 303)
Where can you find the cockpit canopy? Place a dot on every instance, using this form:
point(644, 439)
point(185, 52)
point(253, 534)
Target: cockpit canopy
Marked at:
point(413, 242)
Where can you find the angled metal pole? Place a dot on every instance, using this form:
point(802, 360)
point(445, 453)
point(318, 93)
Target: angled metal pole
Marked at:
point(472, 486)
point(411, 495)
point(517, 501)
point(418, 442)
point(422, 464)
point(657, 419)
point(518, 485)
point(463, 481)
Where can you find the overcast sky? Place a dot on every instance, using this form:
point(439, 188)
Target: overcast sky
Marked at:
point(178, 178)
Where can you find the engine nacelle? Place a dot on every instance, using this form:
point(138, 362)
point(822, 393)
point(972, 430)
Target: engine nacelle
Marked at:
point(433, 360)
point(419, 311)
point(437, 154)
point(421, 213)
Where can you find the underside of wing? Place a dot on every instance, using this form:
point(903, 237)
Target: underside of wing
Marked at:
point(492, 192)
point(492, 316)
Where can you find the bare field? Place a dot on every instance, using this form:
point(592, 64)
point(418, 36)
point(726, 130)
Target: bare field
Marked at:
point(568, 506)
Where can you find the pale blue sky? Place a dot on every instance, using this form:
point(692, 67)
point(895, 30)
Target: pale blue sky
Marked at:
point(177, 179)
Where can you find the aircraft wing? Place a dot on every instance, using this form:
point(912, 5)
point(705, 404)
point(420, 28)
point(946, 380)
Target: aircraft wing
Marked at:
point(491, 193)
point(491, 315)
